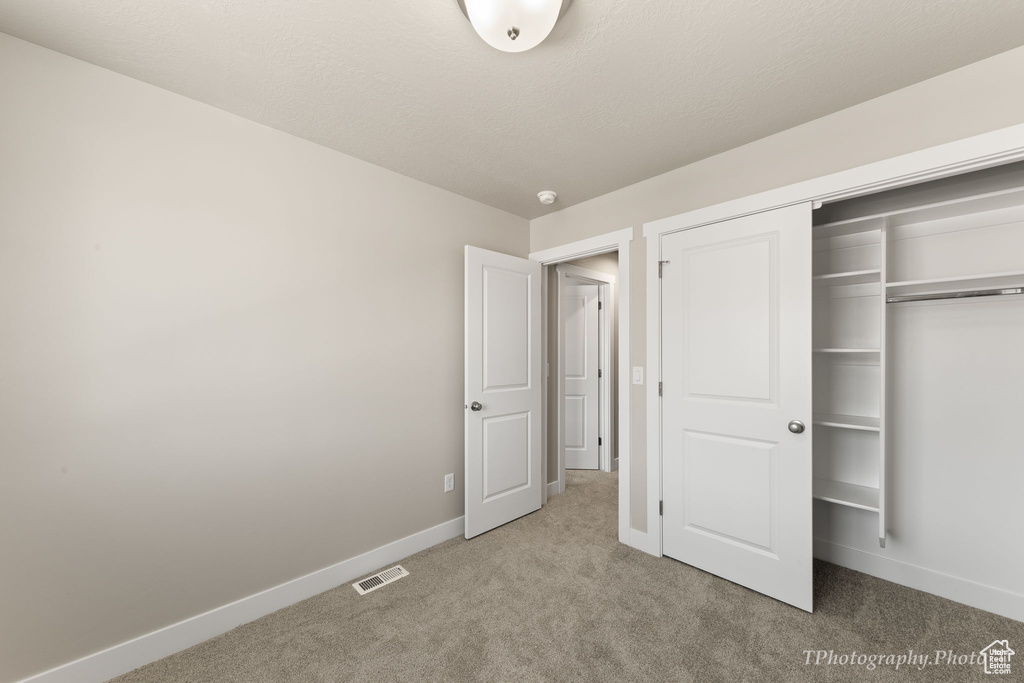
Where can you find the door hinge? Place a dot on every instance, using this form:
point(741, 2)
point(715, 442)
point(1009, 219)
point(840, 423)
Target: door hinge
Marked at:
point(600, 441)
point(599, 305)
point(599, 373)
point(661, 267)
point(660, 388)
point(661, 508)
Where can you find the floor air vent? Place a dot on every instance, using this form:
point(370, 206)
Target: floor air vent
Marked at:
point(380, 579)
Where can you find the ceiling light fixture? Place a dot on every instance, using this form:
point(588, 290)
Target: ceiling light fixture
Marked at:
point(513, 25)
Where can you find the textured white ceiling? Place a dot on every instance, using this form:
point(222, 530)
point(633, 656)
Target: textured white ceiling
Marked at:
point(621, 90)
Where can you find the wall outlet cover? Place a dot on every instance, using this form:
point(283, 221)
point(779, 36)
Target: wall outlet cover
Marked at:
point(449, 482)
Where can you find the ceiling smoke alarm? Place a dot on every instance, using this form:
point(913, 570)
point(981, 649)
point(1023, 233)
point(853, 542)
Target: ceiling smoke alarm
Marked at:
point(547, 196)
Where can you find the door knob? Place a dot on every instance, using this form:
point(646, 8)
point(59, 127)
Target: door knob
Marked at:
point(475, 406)
point(797, 427)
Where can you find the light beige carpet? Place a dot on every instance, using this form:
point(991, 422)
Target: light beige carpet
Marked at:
point(554, 597)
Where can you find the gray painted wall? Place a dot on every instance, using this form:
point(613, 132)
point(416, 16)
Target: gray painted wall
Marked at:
point(220, 347)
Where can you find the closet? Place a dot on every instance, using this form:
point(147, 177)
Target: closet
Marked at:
point(843, 380)
point(893, 273)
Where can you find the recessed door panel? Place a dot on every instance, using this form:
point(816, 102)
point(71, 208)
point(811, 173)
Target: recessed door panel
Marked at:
point(729, 487)
point(506, 439)
point(575, 421)
point(576, 334)
point(731, 318)
point(506, 343)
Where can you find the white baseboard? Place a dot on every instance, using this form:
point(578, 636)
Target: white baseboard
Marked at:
point(553, 488)
point(988, 598)
point(132, 654)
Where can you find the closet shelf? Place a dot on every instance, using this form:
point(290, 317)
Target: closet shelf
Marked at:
point(969, 282)
point(850, 226)
point(967, 204)
point(848, 351)
point(842, 493)
point(853, 277)
point(866, 424)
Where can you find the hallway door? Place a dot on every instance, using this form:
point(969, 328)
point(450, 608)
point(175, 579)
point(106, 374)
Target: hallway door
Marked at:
point(582, 355)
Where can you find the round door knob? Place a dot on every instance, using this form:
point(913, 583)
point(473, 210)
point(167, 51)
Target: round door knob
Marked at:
point(475, 406)
point(797, 427)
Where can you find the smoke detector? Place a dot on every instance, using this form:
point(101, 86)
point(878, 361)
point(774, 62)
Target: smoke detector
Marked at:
point(547, 196)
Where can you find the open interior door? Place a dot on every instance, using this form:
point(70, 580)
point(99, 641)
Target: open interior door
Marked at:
point(579, 367)
point(736, 405)
point(503, 389)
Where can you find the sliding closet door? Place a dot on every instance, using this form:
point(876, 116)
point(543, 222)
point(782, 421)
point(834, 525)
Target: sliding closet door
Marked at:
point(736, 406)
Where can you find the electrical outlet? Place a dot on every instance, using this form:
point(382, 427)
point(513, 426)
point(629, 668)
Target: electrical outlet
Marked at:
point(449, 482)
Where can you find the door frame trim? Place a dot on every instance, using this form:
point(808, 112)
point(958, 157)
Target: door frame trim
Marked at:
point(996, 148)
point(606, 430)
point(602, 244)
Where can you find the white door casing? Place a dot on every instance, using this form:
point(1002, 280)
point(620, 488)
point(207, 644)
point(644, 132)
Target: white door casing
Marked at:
point(503, 380)
point(736, 367)
point(619, 241)
point(581, 362)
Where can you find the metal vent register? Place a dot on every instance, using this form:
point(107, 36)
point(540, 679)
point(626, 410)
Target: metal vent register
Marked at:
point(379, 579)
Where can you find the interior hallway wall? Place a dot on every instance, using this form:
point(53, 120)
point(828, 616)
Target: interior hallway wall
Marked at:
point(975, 99)
point(228, 357)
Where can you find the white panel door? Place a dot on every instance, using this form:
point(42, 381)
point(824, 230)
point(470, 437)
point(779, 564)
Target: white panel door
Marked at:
point(580, 360)
point(736, 367)
point(503, 389)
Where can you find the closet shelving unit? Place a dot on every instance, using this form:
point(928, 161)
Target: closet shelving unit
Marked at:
point(955, 238)
point(849, 364)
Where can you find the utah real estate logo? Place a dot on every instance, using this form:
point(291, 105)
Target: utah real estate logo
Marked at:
point(996, 657)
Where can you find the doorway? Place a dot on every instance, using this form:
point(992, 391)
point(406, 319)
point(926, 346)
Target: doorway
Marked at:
point(615, 245)
point(584, 339)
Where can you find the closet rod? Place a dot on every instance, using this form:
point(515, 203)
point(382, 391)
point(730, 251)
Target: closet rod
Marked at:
point(996, 291)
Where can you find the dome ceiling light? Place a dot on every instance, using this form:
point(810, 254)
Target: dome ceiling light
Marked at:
point(513, 25)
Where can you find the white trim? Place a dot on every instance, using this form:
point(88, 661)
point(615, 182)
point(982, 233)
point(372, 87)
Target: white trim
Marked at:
point(988, 598)
point(970, 154)
point(545, 385)
point(606, 320)
point(591, 246)
point(638, 539)
point(606, 285)
point(114, 661)
point(613, 241)
point(654, 534)
point(586, 273)
point(553, 488)
point(559, 384)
